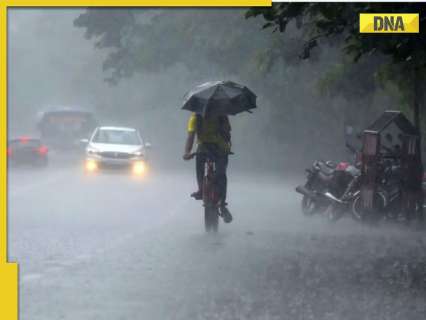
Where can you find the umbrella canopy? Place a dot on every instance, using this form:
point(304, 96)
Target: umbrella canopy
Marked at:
point(219, 98)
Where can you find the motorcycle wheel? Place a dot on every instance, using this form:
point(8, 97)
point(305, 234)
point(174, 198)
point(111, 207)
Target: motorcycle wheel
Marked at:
point(335, 213)
point(211, 219)
point(310, 206)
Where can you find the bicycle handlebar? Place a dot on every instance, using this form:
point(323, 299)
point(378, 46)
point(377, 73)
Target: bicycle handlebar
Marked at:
point(197, 153)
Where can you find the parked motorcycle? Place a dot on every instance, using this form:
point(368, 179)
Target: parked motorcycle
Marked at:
point(343, 204)
point(351, 183)
point(326, 183)
point(318, 179)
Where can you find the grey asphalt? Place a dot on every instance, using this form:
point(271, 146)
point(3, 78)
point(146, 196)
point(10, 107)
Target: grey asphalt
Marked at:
point(112, 247)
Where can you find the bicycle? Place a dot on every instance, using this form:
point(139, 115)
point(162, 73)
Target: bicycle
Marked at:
point(210, 197)
point(210, 194)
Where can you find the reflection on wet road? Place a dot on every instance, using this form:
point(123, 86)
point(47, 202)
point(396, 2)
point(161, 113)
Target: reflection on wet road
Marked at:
point(112, 247)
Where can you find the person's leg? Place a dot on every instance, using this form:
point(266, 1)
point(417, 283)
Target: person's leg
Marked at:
point(200, 160)
point(222, 181)
point(221, 166)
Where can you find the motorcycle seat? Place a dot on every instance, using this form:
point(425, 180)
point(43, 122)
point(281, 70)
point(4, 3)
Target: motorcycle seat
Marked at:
point(324, 169)
point(325, 177)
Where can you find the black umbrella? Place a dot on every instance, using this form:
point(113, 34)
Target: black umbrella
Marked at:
point(219, 98)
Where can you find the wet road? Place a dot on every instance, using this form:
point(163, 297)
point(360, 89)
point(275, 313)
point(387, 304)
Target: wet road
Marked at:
point(112, 247)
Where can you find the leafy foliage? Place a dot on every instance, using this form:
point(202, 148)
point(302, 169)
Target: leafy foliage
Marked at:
point(324, 20)
point(154, 40)
point(407, 53)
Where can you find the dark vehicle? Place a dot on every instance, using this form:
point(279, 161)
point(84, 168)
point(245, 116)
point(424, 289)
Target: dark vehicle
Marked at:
point(318, 181)
point(326, 183)
point(27, 151)
point(391, 170)
point(63, 129)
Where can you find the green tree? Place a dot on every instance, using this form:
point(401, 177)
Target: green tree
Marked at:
point(148, 40)
point(339, 22)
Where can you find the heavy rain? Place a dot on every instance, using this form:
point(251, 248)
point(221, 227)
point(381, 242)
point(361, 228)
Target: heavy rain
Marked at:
point(102, 214)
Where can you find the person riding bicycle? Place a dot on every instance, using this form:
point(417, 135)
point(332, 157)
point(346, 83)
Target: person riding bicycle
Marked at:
point(213, 139)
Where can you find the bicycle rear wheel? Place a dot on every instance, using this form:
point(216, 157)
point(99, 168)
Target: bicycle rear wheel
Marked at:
point(211, 219)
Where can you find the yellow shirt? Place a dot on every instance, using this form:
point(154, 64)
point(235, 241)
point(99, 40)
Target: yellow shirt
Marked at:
point(210, 132)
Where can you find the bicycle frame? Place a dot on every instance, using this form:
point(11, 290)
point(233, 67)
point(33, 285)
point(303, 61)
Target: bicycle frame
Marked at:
point(210, 195)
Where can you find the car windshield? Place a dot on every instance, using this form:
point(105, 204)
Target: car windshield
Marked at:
point(116, 137)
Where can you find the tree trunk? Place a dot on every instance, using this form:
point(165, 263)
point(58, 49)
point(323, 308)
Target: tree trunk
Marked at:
point(417, 105)
point(417, 99)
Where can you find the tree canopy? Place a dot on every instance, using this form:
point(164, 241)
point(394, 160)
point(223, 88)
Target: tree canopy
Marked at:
point(324, 22)
point(151, 40)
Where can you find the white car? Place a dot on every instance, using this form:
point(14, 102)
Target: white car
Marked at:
point(116, 147)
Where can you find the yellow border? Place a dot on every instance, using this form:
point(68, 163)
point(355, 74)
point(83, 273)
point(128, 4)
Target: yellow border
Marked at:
point(138, 3)
point(9, 271)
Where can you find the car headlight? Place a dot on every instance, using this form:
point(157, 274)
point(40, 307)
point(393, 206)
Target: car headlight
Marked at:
point(91, 165)
point(139, 168)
